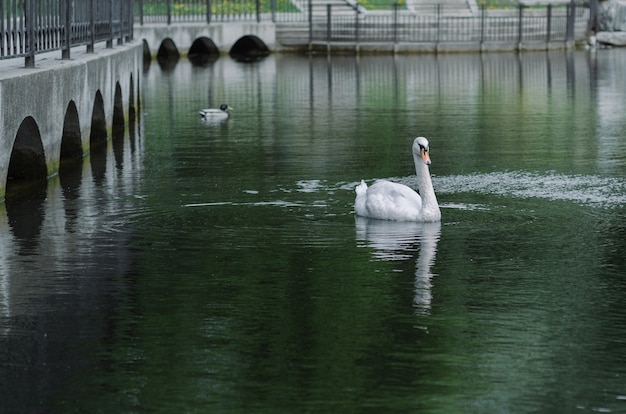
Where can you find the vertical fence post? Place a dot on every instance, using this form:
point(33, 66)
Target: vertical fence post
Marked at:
point(549, 28)
point(169, 12)
point(208, 11)
point(2, 49)
point(592, 24)
point(109, 44)
point(438, 13)
point(328, 27)
point(123, 22)
point(258, 11)
point(356, 26)
point(130, 34)
point(571, 21)
point(395, 24)
point(92, 28)
point(482, 26)
point(310, 24)
point(141, 12)
point(66, 7)
point(273, 3)
point(29, 15)
point(520, 28)
point(119, 34)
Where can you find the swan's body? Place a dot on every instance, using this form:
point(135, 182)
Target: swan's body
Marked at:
point(214, 114)
point(392, 201)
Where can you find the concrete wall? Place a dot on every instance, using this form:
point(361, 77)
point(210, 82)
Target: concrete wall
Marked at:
point(224, 35)
point(40, 98)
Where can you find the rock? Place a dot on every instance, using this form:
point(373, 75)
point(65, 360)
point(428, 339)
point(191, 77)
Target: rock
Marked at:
point(612, 16)
point(611, 38)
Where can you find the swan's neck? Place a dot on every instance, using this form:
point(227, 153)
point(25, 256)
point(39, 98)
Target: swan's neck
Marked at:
point(430, 206)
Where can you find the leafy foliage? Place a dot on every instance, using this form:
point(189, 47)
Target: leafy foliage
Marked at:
point(198, 7)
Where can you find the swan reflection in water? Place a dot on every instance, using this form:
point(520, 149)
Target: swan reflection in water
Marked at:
point(395, 240)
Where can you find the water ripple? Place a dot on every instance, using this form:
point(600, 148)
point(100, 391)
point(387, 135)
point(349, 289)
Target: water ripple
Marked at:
point(583, 189)
point(609, 192)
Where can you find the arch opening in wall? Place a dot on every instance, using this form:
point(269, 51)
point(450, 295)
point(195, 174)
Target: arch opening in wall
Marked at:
point(147, 56)
point(27, 165)
point(132, 113)
point(249, 48)
point(98, 136)
point(168, 54)
point(138, 100)
point(71, 141)
point(203, 51)
point(118, 126)
point(118, 110)
point(71, 161)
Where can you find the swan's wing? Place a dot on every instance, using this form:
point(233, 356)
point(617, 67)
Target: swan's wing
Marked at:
point(392, 201)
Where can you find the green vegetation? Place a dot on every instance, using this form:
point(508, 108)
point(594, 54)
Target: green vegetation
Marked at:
point(497, 4)
point(186, 8)
point(235, 7)
point(382, 4)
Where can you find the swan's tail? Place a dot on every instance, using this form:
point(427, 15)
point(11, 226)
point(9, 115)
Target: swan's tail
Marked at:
point(361, 188)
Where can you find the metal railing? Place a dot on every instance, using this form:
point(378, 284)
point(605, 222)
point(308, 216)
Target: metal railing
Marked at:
point(29, 27)
point(427, 23)
point(549, 24)
point(179, 11)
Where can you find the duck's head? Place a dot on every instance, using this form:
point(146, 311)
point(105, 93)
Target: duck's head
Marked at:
point(225, 107)
point(420, 147)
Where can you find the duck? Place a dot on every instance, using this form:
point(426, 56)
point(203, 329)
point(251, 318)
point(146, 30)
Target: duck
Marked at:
point(386, 200)
point(213, 113)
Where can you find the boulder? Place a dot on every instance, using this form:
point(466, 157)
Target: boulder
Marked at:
point(611, 38)
point(612, 16)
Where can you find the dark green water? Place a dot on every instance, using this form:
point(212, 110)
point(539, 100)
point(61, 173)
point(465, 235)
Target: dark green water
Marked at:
point(218, 267)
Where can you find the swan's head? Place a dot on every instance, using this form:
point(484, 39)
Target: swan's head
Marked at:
point(420, 148)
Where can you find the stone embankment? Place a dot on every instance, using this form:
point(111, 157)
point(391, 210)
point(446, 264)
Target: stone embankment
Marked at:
point(611, 23)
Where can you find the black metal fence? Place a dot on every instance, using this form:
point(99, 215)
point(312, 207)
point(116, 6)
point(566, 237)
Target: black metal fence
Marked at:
point(545, 24)
point(431, 23)
point(28, 27)
point(178, 11)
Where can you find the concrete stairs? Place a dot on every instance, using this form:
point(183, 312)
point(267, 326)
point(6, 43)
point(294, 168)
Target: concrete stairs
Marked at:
point(342, 7)
point(446, 7)
point(295, 34)
point(319, 7)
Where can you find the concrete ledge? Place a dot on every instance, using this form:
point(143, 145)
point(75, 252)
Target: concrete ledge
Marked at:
point(432, 47)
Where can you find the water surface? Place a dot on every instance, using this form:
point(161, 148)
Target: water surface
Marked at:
point(218, 267)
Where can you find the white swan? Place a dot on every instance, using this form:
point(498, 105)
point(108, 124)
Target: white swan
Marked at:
point(214, 114)
point(392, 201)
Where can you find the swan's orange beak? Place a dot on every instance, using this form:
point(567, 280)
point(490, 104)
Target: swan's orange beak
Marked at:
point(425, 156)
